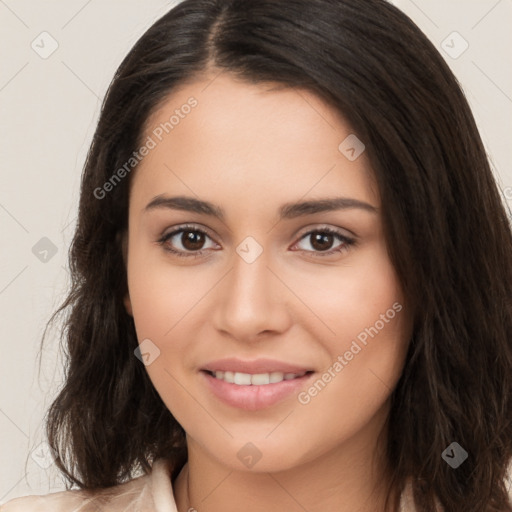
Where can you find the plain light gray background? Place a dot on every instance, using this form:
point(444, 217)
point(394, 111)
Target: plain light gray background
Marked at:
point(49, 105)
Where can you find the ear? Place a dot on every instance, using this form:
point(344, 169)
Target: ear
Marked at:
point(122, 240)
point(128, 304)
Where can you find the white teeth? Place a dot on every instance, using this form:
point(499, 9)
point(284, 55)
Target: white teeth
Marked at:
point(257, 379)
point(260, 378)
point(276, 377)
point(242, 379)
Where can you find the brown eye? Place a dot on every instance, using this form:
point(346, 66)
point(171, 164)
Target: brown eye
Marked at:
point(321, 242)
point(186, 241)
point(192, 240)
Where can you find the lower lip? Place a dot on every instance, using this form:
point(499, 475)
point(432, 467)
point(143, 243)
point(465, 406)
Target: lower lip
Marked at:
point(253, 398)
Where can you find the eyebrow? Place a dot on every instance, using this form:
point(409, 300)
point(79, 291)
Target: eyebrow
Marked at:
point(286, 211)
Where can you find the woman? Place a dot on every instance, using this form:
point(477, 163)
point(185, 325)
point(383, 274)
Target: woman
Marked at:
point(292, 275)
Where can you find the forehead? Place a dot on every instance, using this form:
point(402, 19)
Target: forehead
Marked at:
point(219, 136)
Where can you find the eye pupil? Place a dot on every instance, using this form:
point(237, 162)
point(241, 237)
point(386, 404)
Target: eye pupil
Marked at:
point(322, 241)
point(192, 240)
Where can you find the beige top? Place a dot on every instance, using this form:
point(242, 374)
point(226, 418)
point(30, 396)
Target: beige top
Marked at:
point(148, 493)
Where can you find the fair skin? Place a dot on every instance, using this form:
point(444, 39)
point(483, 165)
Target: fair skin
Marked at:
point(249, 150)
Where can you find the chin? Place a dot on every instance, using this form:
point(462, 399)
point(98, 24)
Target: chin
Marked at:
point(259, 456)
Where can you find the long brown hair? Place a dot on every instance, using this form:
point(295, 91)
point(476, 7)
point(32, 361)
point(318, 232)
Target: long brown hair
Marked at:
point(446, 227)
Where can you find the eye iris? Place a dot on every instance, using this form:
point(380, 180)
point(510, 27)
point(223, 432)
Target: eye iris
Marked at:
point(192, 240)
point(322, 241)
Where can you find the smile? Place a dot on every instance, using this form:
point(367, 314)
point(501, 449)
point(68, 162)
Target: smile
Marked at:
point(252, 392)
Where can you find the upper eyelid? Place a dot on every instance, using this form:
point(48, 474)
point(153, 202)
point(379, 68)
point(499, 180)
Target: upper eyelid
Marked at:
point(322, 227)
point(189, 227)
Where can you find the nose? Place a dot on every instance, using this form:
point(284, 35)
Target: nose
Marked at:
point(252, 301)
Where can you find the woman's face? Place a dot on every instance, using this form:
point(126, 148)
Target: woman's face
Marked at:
point(260, 287)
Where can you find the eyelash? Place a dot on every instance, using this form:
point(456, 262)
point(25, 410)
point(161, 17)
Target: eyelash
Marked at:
point(347, 242)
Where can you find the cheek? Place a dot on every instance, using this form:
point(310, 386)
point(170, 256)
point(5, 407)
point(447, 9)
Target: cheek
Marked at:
point(162, 300)
point(166, 301)
point(351, 297)
point(363, 305)
point(356, 385)
point(163, 294)
point(354, 389)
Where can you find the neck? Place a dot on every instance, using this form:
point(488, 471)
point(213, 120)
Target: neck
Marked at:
point(353, 476)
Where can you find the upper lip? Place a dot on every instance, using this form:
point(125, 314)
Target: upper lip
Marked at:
point(254, 367)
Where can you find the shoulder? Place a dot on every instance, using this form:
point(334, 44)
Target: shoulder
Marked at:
point(137, 494)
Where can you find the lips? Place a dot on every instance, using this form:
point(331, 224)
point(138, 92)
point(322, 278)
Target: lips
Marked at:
point(246, 386)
